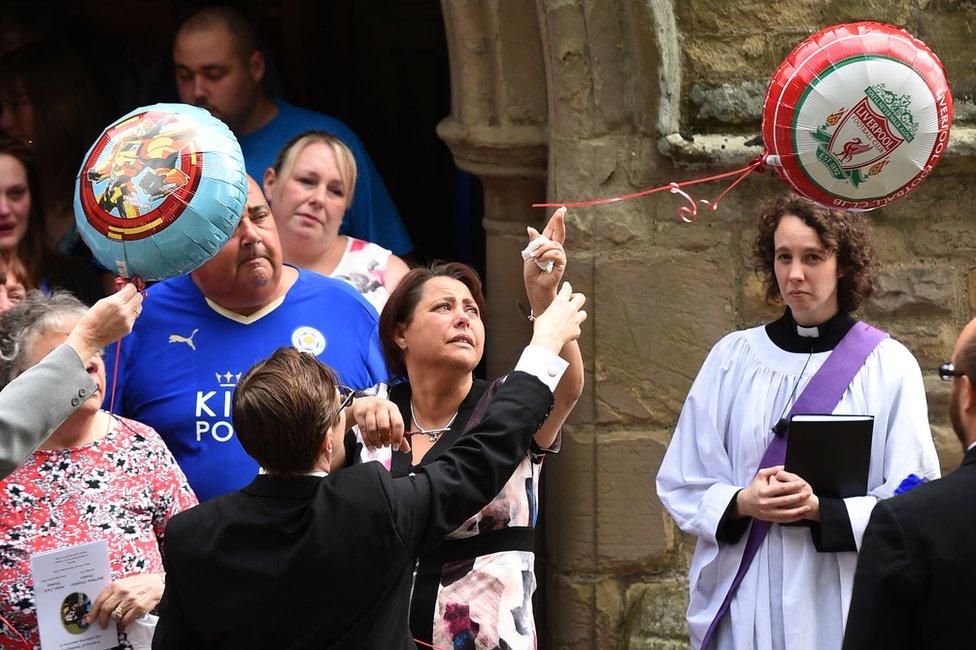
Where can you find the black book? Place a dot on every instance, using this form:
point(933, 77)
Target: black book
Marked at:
point(831, 453)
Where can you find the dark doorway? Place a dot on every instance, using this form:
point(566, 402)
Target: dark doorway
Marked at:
point(381, 66)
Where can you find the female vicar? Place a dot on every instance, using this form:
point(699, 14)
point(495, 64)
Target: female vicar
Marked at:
point(755, 582)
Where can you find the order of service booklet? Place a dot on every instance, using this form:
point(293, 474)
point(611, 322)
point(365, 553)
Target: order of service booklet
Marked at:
point(66, 583)
point(831, 453)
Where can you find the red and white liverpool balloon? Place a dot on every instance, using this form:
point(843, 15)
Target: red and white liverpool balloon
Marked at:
point(857, 115)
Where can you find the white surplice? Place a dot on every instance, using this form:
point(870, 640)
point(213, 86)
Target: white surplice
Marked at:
point(792, 596)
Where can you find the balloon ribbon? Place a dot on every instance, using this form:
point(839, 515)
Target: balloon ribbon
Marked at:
point(689, 212)
point(141, 288)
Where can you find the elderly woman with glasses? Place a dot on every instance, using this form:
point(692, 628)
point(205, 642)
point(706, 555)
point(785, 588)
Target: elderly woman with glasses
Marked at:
point(756, 582)
point(97, 477)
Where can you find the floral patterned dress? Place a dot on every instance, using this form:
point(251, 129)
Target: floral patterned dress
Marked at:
point(475, 590)
point(363, 265)
point(122, 488)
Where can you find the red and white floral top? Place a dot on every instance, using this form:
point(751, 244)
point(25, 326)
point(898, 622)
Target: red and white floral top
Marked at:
point(122, 488)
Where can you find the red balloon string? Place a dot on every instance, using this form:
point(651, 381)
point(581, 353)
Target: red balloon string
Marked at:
point(120, 282)
point(115, 376)
point(20, 637)
point(687, 213)
point(419, 642)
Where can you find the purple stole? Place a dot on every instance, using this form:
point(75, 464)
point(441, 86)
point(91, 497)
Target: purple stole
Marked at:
point(821, 395)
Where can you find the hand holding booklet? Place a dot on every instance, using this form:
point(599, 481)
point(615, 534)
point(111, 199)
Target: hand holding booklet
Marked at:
point(831, 452)
point(66, 583)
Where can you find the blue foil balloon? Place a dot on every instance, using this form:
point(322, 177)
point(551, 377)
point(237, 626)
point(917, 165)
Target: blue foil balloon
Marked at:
point(160, 191)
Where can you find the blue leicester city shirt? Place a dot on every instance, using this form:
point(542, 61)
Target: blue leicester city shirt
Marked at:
point(179, 366)
point(372, 215)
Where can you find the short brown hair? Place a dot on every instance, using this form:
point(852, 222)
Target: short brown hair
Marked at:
point(233, 21)
point(403, 301)
point(283, 408)
point(845, 234)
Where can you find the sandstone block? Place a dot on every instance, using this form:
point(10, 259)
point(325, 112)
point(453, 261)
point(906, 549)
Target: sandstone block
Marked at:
point(947, 27)
point(570, 510)
point(914, 291)
point(659, 317)
point(630, 521)
point(971, 289)
point(656, 616)
point(930, 342)
point(570, 621)
point(951, 237)
point(937, 392)
point(608, 605)
point(753, 309)
point(948, 447)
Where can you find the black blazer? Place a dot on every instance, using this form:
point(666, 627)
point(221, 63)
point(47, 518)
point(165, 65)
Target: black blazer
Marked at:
point(915, 585)
point(313, 562)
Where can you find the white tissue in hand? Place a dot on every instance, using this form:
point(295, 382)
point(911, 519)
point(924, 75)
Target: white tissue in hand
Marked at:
point(532, 247)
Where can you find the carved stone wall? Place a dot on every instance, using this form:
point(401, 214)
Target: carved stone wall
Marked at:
point(567, 99)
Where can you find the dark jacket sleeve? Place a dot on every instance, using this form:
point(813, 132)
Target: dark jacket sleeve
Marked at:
point(444, 493)
point(173, 631)
point(885, 586)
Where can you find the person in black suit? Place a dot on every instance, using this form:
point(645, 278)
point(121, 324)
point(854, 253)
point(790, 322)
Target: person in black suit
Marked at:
point(915, 585)
point(304, 559)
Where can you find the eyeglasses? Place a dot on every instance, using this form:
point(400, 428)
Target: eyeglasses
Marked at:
point(346, 396)
point(947, 372)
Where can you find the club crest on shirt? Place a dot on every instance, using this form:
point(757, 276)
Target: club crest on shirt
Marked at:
point(308, 339)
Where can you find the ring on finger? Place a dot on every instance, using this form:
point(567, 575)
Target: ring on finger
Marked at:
point(119, 612)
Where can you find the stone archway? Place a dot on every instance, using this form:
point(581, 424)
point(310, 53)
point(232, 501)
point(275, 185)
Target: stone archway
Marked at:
point(551, 98)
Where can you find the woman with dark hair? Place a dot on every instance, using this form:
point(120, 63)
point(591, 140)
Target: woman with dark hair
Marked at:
point(789, 586)
point(49, 103)
point(22, 229)
point(479, 582)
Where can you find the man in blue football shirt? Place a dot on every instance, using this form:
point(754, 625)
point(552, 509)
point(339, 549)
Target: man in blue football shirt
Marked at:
point(219, 67)
point(199, 333)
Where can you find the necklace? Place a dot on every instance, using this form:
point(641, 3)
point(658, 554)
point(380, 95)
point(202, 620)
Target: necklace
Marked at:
point(433, 434)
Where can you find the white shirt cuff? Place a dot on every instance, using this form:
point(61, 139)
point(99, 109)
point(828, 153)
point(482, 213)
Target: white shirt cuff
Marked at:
point(542, 363)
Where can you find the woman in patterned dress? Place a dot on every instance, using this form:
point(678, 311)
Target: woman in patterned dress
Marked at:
point(475, 590)
point(97, 477)
point(309, 189)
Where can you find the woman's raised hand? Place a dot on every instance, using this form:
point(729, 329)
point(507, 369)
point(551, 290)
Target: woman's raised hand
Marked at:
point(107, 321)
point(540, 286)
point(560, 322)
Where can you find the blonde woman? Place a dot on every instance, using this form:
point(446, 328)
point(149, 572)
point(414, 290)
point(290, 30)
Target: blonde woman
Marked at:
point(310, 188)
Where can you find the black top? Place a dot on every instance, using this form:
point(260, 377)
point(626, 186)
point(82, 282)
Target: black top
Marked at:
point(400, 395)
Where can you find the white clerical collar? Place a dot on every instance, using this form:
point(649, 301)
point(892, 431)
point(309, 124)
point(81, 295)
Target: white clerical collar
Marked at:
point(971, 446)
point(261, 470)
point(808, 332)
